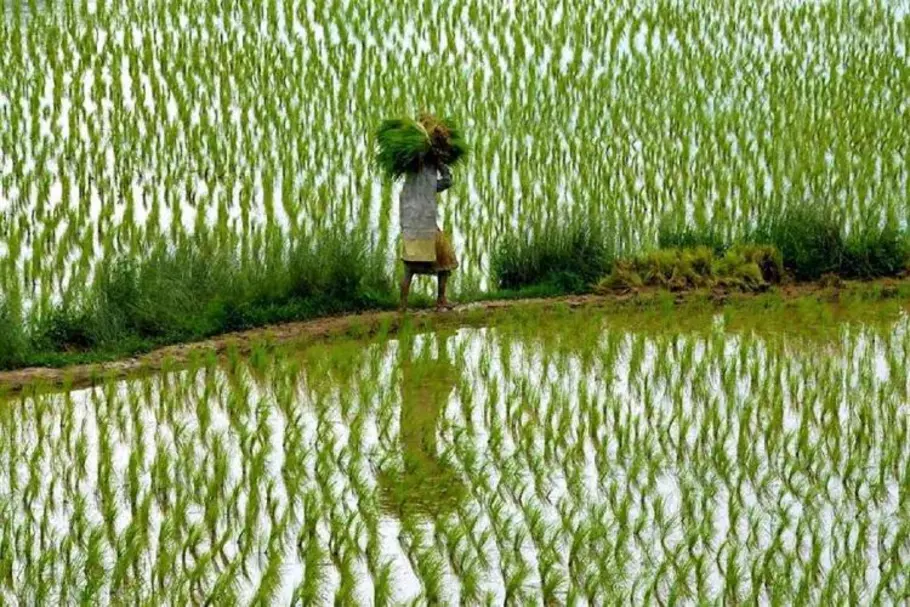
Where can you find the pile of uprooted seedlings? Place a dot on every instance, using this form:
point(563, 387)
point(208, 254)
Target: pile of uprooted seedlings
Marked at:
point(743, 267)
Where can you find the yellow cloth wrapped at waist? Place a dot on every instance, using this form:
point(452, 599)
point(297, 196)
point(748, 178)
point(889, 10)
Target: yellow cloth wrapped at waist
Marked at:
point(422, 249)
point(436, 253)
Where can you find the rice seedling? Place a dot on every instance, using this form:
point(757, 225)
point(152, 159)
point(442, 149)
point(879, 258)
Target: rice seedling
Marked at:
point(120, 154)
point(405, 146)
point(163, 176)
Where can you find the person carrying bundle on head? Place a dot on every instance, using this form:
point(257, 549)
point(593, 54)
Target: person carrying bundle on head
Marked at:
point(425, 248)
point(422, 151)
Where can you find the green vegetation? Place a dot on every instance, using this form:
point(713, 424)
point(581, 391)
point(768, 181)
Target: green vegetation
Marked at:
point(405, 146)
point(686, 237)
point(130, 126)
point(814, 241)
point(171, 169)
point(744, 267)
point(196, 291)
point(11, 339)
point(628, 457)
point(801, 244)
point(561, 258)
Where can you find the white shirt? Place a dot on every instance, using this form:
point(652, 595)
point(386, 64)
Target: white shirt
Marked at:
point(417, 206)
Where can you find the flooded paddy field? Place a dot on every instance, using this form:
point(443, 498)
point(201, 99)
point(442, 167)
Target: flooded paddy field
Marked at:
point(581, 457)
point(563, 457)
point(126, 126)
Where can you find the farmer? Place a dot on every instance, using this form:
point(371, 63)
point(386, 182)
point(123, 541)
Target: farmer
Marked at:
point(426, 249)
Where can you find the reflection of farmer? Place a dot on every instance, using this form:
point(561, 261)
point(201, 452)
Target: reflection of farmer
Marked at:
point(426, 250)
point(425, 484)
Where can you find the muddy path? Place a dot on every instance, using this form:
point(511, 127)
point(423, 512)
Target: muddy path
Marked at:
point(371, 323)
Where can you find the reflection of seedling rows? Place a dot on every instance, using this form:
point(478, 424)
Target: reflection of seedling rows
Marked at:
point(648, 467)
point(145, 123)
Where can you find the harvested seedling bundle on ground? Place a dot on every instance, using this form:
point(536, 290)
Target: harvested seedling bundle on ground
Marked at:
point(743, 267)
point(406, 145)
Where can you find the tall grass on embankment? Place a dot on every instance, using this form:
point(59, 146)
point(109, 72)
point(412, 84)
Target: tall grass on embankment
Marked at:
point(811, 241)
point(198, 290)
point(558, 259)
point(195, 291)
point(814, 242)
point(12, 340)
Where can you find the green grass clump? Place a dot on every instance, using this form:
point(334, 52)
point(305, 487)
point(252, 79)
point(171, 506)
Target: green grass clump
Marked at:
point(750, 267)
point(342, 268)
point(809, 237)
point(195, 291)
point(406, 146)
point(12, 342)
point(670, 236)
point(174, 294)
point(875, 252)
point(812, 241)
point(567, 257)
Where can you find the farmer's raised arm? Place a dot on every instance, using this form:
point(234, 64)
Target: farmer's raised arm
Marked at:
point(445, 178)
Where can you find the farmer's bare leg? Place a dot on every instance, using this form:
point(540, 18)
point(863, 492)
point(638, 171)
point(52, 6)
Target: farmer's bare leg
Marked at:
point(441, 300)
point(405, 287)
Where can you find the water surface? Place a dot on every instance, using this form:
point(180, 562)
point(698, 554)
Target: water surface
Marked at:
point(583, 456)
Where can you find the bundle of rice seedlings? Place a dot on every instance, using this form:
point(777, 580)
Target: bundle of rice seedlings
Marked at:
point(744, 267)
point(406, 146)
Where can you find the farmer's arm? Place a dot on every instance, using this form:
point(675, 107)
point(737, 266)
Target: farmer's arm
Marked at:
point(445, 178)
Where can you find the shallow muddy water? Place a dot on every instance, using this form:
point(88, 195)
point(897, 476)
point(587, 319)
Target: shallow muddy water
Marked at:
point(578, 457)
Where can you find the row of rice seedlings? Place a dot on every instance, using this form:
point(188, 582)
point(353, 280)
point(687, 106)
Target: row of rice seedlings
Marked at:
point(668, 466)
point(810, 512)
point(118, 134)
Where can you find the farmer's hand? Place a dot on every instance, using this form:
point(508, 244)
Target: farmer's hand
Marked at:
point(444, 181)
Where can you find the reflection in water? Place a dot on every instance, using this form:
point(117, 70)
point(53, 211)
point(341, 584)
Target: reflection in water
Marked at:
point(634, 457)
point(425, 484)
